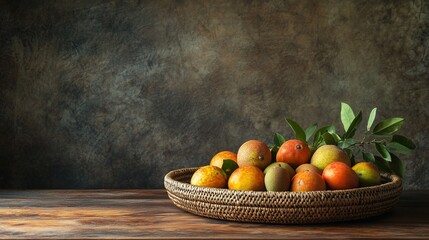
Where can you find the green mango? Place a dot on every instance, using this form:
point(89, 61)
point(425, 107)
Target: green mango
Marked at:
point(283, 165)
point(277, 179)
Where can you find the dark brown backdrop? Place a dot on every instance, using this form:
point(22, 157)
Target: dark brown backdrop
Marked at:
point(113, 94)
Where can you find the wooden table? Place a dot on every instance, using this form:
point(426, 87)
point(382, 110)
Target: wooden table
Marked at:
point(141, 214)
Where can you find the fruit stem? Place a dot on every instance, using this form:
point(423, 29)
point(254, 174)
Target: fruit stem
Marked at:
point(364, 142)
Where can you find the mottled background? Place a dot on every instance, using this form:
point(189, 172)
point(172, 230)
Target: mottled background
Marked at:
point(114, 94)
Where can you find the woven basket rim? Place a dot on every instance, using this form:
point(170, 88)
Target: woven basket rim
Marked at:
point(393, 181)
point(281, 207)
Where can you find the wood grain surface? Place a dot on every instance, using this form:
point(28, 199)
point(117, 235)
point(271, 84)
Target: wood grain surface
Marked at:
point(150, 214)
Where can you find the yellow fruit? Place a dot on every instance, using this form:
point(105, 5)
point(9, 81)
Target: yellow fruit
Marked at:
point(217, 159)
point(209, 176)
point(327, 154)
point(247, 178)
point(367, 173)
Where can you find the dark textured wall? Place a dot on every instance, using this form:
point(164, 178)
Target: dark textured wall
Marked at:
point(113, 94)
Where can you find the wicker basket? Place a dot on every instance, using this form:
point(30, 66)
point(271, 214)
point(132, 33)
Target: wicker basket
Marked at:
point(282, 207)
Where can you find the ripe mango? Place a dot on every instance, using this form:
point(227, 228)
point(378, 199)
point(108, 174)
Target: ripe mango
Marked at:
point(277, 179)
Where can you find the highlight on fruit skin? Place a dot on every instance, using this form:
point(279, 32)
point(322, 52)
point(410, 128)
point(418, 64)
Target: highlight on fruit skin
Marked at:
point(209, 176)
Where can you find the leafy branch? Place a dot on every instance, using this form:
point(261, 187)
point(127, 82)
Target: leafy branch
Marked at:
point(379, 145)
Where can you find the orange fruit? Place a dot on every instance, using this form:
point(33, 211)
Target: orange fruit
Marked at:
point(368, 174)
point(339, 176)
point(327, 154)
point(209, 176)
point(217, 159)
point(308, 167)
point(247, 178)
point(294, 152)
point(254, 153)
point(307, 181)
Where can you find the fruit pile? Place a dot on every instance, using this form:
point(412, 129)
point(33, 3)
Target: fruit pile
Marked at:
point(326, 163)
point(292, 168)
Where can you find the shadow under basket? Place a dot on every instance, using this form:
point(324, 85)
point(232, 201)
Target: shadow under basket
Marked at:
point(282, 207)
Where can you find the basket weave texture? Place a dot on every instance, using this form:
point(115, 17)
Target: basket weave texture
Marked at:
point(282, 207)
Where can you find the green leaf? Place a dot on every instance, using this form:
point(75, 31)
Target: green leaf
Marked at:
point(404, 141)
point(397, 166)
point(310, 131)
point(388, 126)
point(274, 150)
point(299, 132)
point(347, 115)
point(336, 137)
point(368, 157)
point(278, 139)
point(329, 139)
point(371, 118)
point(397, 147)
point(346, 143)
point(383, 151)
point(401, 144)
point(382, 164)
point(353, 126)
point(318, 139)
point(350, 155)
point(228, 166)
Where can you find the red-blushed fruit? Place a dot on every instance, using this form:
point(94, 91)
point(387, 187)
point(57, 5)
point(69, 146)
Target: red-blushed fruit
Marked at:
point(307, 181)
point(308, 167)
point(294, 152)
point(247, 178)
point(368, 174)
point(254, 153)
point(339, 176)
